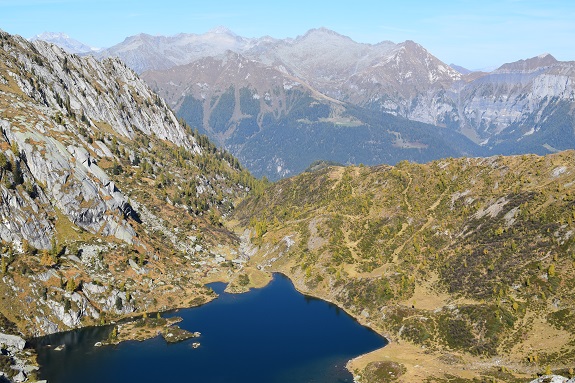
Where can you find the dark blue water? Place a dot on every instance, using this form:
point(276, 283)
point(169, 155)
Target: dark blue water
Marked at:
point(269, 335)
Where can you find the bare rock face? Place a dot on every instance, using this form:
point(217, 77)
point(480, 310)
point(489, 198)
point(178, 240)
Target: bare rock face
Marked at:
point(17, 223)
point(521, 96)
point(51, 100)
point(90, 162)
point(12, 342)
point(553, 379)
point(106, 92)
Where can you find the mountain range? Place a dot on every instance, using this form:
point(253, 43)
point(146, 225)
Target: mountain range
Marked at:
point(277, 124)
point(521, 107)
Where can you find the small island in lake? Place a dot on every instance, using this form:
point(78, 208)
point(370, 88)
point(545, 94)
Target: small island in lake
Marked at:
point(147, 328)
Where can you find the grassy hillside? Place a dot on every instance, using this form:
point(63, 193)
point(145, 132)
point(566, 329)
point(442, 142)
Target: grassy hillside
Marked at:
point(470, 259)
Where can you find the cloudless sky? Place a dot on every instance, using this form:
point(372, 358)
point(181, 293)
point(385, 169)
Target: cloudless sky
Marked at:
point(472, 33)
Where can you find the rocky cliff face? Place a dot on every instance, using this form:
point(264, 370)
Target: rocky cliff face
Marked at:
point(110, 205)
point(517, 108)
point(52, 104)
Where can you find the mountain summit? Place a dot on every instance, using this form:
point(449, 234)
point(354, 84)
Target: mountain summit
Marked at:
point(145, 52)
point(65, 42)
point(529, 65)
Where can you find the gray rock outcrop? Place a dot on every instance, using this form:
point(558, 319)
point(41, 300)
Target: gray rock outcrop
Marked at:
point(12, 342)
point(61, 101)
point(553, 379)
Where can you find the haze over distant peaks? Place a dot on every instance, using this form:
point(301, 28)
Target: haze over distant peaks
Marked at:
point(221, 29)
point(520, 107)
point(144, 52)
point(460, 69)
point(531, 64)
point(65, 42)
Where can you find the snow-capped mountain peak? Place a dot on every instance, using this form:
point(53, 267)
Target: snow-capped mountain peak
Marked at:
point(222, 31)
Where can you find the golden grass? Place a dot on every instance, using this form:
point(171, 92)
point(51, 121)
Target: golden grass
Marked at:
point(419, 362)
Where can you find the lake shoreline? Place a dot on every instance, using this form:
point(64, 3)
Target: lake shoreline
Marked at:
point(285, 308)
point(410, 355)
point(350, 365)
point(419, 363)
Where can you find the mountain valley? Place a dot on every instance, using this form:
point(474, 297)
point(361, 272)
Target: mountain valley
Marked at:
point(113, 205)
point(277, 125)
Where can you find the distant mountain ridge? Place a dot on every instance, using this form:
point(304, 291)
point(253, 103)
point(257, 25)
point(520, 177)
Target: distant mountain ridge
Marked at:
point(460, 69)
point(522, 107)
point(145, 52)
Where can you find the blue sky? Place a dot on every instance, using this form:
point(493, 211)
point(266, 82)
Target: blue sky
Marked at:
point(475, 34)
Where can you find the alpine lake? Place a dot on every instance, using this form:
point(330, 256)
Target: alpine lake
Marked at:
point(269, 335)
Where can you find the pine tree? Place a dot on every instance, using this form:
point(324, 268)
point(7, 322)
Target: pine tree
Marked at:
point(53, 246)
point(46, 258)
point(17, 174)
point(25, 246)
point(4, 161)
point(70, 285)
point(15, 149)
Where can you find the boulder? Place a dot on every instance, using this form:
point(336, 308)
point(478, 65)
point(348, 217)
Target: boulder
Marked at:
point(20, 377)
point(553, 379)
point(12, 342)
